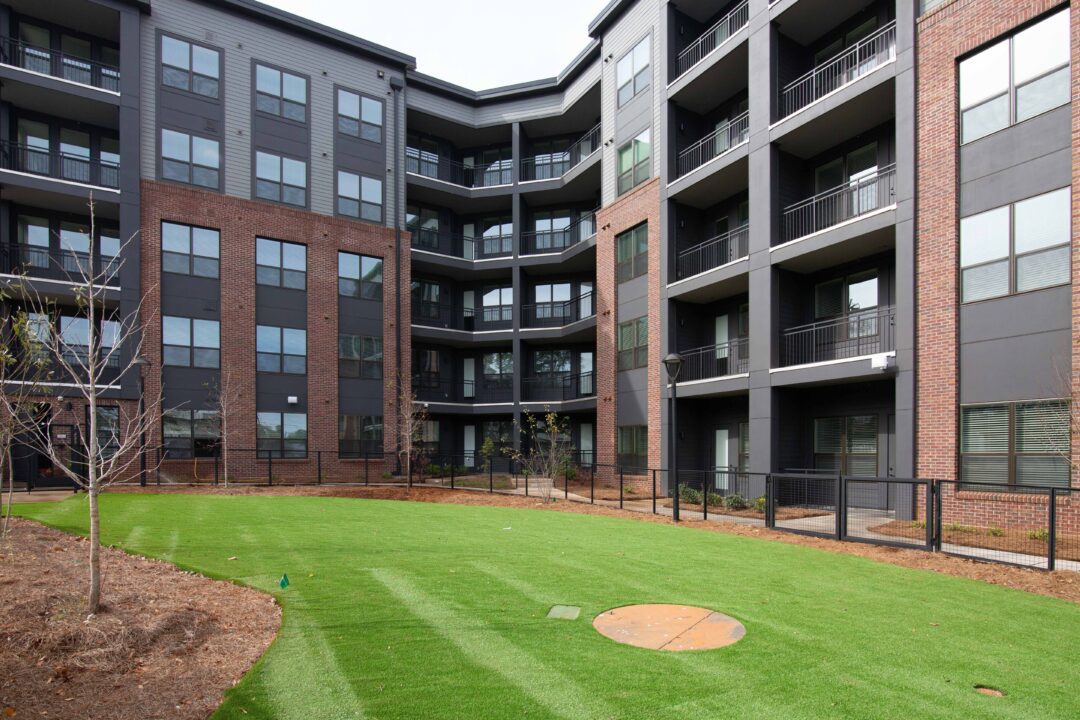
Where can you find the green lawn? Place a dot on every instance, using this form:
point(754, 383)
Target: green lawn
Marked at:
point(417, 610)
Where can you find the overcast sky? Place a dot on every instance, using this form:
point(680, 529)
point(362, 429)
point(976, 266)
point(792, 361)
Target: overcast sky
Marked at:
point(478, 44)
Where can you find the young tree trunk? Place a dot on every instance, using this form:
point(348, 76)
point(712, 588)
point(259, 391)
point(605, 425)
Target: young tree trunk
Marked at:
point(95, 552)
point(8, 463)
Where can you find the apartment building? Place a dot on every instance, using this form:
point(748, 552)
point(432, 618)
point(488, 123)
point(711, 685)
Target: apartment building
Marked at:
point(777, 191)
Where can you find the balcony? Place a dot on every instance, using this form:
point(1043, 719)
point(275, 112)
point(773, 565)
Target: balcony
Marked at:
point(857, 197)
point(854, 335)
point(59, 65)
point(845, 68)
point(59, 165)
point(463, 246)
point(714, 252)
point(551, 166)
point(535, 242)
point(428, 164)
point(57, 264)
point(489, 389)
point(715, 361)
point(558, 388)
point(712, 38)
point(557, 314)
point(443, 315)
point(714, 145)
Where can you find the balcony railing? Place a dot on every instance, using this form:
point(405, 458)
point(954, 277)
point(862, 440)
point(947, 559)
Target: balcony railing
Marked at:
point(856, 197)
point(58, 64)
point(713, 361)
point(712, 38)
point(713, 145)
point(58, 264)
point(445, 315)
point(554, 388)
point(534, 242)
point(463, 246)
point(55, 164)
point(557, 314)
point(489, 388)
point(457, 173)
point(847, 67)
point(866, 332)
point(720, 250)
point(557, 164)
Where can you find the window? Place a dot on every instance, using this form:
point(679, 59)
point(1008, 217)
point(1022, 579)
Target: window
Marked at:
point(359, 196)
point(280, 93)
point(500, 432)
point(551, 362)
point(188, 342)
point(1015, 79)
point(498, 364)
point(282, 264)
point(280, 179)
point(423, 223)
point(360, 435)
point(634, 446)
point(359, 116)
point(360, 276)
point(191, 433)
point(498, 305)
point(188, 250)
point(281, 350)
point(634, 164)
point(1016, 248)
point(360, 356)
point(744, 447)
point(187, 66)
point(108, 429)
point(1016, 444)
point(552, 300)
point(847, 445)
point(429, 437)
point(494, 234)
point(634, 343)
point(632, 72)
point(281, 434)
point(551, 229)
point(632, 248)
point(190, 159)
point(846, 296)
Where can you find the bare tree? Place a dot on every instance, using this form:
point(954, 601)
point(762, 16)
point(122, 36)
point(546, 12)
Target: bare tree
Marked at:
point(548, 455)
point(224, 395)
point(412, 418)
point(112, 352)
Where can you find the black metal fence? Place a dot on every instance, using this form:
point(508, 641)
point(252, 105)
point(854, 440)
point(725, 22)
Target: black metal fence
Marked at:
point(58, 164)
point(47, 61)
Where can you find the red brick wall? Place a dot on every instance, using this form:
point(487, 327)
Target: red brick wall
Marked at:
point(239, 222)
point(1007, 510)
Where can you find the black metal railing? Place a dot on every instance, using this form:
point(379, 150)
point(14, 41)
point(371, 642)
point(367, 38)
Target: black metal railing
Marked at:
point(486, 389)
point(463, 246)
point(726, 358)
point(557, 314)
point(712, 38)
point(846, 67)
point(61, 165)
point(534, 242)
point(458, 173)
point(559, 387)
point(58, 264)
point(856, 197)
point(713, 145)
point(556, 164)
point(714, 252)
point(446, 315)
point(859, 333)
point(57, 64)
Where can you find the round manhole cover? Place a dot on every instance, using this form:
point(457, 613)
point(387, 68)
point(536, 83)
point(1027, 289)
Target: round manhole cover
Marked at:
point(669, 627)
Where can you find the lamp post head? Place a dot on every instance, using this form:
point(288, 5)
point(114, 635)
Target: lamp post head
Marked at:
point(673, 363)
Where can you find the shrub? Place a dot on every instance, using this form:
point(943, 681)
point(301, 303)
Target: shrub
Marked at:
point(387, 475)
point(735, 502)
point(461, 470)
point(434, 470)
point(995, 532)
point(715, 499)
point(689, 495)
point(956, 527)
point(1041, 534)
point(921, 524)
point(759, 504)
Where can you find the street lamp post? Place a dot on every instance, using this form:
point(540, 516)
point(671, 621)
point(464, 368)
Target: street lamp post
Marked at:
point(673, 363)
point(141, 362)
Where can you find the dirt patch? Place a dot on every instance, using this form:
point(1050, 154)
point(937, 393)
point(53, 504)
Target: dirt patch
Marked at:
point(1015, 540)
point(1062, 584)
point(673, 628)
point(167, 643)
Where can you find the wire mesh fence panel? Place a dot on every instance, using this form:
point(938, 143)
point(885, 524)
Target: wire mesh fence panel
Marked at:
point(735, 496)
point(887, 511)
point(806, 503)
point(1066, 530)
point(988, 521)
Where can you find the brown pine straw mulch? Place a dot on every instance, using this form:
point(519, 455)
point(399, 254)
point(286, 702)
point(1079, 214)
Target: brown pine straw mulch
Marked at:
point(1026, 541)
point(1062, 584)
point(166, 644)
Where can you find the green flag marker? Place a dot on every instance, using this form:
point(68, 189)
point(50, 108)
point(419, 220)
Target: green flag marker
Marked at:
point(284, 581)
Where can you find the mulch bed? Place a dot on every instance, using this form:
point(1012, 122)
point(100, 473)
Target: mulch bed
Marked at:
point(166, 644)
point(1062, 584)
point(1011, 540)
point(782, 513)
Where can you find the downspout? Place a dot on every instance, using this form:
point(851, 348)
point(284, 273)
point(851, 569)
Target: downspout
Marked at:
point(397, 85)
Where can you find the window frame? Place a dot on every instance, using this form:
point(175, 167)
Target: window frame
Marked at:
point(365, 289)
point(190, 70)
point(260, 182)
point(637, 437)
point(361, 204)
point(360, 122)
point(190, 256)
point(281, 451)
point(280, 358)
point(191, 347)
point(638, 263)
point(280, 96)
point(192, 448)
point(360, 362)
point(283, 273)
point(637, 354)
point(190, 162)
point(366, 446)
point(1011, 454)
point(640, 169)
point(636, 73)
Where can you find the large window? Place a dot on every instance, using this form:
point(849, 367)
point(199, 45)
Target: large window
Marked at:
point(1016, 78)
point(360, 276)
point(280, 179)
point(108, 428)
point(360, 435)
point(190, 159)
point(634, 447)
point(282, 264)
point(281, 434)
point(634, 343)
point(187, 66)
point(551, 362)
point(360, 356)
point(1015, 444)
point(498, 305)
point(635, 166)
point(359, 116)
point(359, 196)
point(281, 350)
point(1016, 248)
point(632, 72)
point(498, 365)
point(632, 249)
point(188, 342)
point(280, 93)
point(847, 445)
point(191, 433)
point(188, 250)
point(552, 300)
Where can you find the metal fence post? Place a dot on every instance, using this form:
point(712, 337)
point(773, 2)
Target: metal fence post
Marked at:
point(938, 511)
point(592, 485)
point(269, 468)
point(770, 502)
point(705, 498)
point(1051, 541)
point(366, 459)
point(566, 483)
point(654, 491)
point(928, 513)
point(318, 463)
point(839, 517)
point(451, 473)
point(491, 477)
point(215, 469)
point(525, 472)
point(620, 487)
